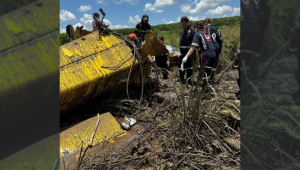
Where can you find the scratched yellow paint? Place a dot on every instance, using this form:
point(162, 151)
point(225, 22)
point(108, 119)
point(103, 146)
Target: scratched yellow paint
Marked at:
point(18, 26)
point(82, 75)
point(12, 26)
point(29, 56)
point(108, 128)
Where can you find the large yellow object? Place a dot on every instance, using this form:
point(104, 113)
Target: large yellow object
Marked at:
point(82, 75)
point(72, 139)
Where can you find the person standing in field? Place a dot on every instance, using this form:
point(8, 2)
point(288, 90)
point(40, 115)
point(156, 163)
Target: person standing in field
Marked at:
point(186, 38)
point(207, 54)
point(216, 37)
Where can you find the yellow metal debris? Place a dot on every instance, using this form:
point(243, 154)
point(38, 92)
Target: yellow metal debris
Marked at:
point(82, 62)
point(108, 128)
point(28, 57)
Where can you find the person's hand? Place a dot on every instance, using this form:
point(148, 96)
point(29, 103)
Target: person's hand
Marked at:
point(168, 63)
point(153, 61)
point(184, 59)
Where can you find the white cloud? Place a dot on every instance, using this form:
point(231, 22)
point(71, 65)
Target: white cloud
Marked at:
point(220, 10)
point(118, 26)
point(85, 8)
point(107, 22)
point(164, 3)
point(131, 2)
point(200, 6)
point(62, 30)
point(159, 4)
point(224, 16)
point(87, 20)
point(236, 11)
point(197, 18)
point(134, 20)
point(66, 16)
point(102, 2)
point(167, 22)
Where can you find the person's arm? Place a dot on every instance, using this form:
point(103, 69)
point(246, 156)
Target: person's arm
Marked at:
point(191, 50)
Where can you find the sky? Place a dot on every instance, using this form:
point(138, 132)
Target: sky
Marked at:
point(127, 13)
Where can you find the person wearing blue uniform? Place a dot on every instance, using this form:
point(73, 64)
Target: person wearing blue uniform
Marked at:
point(163, 61)
point(186, 38)
point(207, 54)
point(296, 95)
point(216, 37)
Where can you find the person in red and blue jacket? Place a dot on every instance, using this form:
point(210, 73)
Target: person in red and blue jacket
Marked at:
point(207, 54)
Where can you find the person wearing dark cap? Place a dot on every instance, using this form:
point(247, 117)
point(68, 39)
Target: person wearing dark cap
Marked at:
point(163, 61)
point(142, 27)
point(186, 39)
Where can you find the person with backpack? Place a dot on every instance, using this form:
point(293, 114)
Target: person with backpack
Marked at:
point(207, 54)
point(163, 61)
point(186, 38)
point(143, 27)
point(216, 37)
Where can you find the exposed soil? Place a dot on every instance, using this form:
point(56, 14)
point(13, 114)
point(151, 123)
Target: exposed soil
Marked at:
point(166, 136)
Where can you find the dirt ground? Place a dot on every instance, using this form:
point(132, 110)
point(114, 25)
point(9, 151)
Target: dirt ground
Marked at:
point(169, 135)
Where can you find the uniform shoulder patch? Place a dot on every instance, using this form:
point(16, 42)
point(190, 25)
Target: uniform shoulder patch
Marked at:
point(213, 35)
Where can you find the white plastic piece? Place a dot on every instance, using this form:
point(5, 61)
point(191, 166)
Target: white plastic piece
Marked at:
point(127, 120)
point(125, 125)
point(132, 121)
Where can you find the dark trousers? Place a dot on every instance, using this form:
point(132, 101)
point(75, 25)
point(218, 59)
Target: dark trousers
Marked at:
point(161, 62)
point(215, 65)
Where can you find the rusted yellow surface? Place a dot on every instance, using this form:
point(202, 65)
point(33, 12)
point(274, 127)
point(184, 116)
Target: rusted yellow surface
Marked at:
point(108, 128)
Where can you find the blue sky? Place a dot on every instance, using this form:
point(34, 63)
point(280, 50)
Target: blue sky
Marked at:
point(126, 13)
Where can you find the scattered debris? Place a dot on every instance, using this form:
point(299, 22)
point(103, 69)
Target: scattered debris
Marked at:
point(128, 123)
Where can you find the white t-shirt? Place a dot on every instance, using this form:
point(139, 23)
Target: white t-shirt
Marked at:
point(94, 23)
